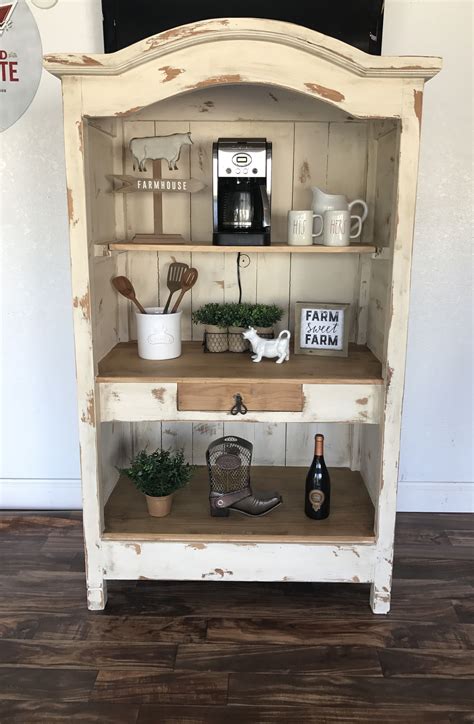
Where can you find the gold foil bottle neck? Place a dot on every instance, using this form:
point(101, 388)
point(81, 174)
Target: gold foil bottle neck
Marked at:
point(319, 445)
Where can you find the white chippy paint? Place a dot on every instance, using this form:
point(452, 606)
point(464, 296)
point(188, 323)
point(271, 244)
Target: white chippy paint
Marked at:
point(237, 562)
point(282, 35)
point(350, 81)
point(137, 401)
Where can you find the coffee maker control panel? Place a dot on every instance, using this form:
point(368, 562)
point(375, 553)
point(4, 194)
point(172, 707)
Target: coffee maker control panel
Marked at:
point(237, 158)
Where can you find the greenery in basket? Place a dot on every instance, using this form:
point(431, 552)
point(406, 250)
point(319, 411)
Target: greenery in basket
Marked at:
point(265, 315)
point(238, 315)
point(211, 313)
point(159, 473)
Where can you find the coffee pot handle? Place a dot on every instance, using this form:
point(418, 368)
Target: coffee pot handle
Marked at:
point(266, 222)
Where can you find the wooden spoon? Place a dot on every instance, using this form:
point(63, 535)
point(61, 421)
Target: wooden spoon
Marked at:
point(125, 287)
point(188, 280)
point(175, 273)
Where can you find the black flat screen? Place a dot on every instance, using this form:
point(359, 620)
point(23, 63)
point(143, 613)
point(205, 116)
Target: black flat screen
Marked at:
point(357, 22)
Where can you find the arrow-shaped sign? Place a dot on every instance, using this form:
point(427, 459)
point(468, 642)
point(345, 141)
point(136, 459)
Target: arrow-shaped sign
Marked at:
point(125, 184)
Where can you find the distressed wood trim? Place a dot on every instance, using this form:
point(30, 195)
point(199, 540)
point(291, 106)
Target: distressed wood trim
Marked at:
point(244, 561)
point(141, 401)
point(275, 248)
point(284, 34)
point(82, 316)
point(396, 342)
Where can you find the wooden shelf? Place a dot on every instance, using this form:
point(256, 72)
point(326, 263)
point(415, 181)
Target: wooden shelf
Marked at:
point(351, 519)
point(123, 364)
point(272, 249)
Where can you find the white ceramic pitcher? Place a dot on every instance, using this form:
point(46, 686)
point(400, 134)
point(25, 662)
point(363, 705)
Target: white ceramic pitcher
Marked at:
point(334, 202)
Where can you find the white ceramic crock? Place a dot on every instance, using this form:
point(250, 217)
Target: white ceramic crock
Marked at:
point(158, 334)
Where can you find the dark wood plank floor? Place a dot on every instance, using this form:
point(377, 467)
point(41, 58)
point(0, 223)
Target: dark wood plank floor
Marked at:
point(227, 653)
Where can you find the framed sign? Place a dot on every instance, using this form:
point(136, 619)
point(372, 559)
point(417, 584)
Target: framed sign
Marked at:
point(322, 328)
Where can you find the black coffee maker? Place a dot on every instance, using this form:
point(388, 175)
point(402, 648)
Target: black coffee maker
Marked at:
point(241, 188)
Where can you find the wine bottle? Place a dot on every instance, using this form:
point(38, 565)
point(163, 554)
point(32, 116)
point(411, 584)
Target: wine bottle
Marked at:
point(318, 484)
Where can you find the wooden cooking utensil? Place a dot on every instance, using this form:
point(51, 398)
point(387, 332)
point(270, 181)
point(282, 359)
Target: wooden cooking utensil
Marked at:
point(175, 273)
point(125, 287)
point(188, 280)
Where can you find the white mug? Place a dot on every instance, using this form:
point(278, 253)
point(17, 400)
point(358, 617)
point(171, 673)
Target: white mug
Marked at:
point(336, 227)
point(300, 228)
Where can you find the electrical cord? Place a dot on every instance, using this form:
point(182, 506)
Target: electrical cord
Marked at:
point(238, 278)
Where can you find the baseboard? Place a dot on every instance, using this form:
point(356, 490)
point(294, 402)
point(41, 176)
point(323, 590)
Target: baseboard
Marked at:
point(40, 494)
point(47, 494)
point(430, 497)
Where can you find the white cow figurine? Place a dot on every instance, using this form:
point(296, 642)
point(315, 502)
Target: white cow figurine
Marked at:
point(279, 347)
point(158, 147)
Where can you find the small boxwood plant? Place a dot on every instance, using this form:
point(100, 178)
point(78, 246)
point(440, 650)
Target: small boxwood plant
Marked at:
point(159, 473)
point(265, 315)
point(211, 313)
point(238, 315)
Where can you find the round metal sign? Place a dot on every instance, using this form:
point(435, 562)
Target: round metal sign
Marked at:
point(21, 60)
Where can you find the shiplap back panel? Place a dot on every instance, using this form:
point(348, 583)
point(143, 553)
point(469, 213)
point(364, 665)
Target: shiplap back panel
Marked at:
point(385, 161)
point(314, 144)
point(380, 282)
point(266, 278)
point(105, 306)
point(101, 158)
point(274, 443)
point(370, 458)
point(100, 161)
point(115, 452)
point(387, 152)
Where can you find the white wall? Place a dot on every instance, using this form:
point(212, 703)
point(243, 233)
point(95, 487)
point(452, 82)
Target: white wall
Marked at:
point(39, 453)
point(39, 460)
point(436, 466)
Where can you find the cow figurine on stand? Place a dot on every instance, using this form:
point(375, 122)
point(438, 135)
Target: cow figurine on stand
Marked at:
point(155, 148)
point(279, 347)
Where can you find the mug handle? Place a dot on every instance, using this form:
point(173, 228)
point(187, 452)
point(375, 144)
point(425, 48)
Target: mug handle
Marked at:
point(318, 216)
point(356, 221)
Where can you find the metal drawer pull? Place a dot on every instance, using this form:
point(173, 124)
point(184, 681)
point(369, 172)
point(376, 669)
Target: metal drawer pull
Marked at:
point(239, 406)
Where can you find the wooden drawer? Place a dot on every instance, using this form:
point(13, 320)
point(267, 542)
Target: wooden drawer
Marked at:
point(219, 397)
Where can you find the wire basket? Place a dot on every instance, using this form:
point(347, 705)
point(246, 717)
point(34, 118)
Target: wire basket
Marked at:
point(216, 341)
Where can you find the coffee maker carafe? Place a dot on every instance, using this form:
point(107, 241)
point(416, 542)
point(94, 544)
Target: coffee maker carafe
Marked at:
point(241, 175)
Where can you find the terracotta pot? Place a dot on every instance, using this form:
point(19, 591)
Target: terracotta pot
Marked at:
point(159, 507)
point(265, 332)
point(216, 338)
point(236, 342)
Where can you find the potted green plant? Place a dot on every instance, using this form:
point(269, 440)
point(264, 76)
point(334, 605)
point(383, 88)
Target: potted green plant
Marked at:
point(214, 319)
point(158, 475)
point(264, 317)
point(239, 318)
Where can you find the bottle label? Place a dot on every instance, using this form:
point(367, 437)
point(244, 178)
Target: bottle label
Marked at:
point(316, 498)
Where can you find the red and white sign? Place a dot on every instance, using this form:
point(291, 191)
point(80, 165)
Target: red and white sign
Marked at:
point(21, 61)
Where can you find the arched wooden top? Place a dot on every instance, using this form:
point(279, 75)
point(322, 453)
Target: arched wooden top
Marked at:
point(234, 51)
point(316, 44)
